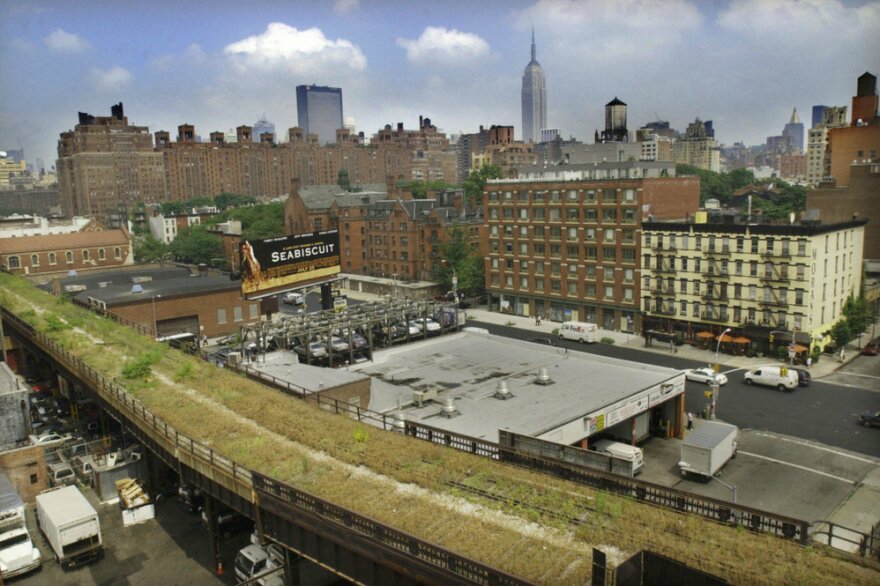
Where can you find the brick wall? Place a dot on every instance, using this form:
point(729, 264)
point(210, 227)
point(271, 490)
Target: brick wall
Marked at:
point(26, 468)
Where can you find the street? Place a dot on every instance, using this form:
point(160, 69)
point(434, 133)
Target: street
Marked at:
point(824, 412)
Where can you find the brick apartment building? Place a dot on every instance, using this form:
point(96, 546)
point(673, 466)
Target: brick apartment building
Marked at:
point(105, 165)
point(565, 248)
point(860, 141)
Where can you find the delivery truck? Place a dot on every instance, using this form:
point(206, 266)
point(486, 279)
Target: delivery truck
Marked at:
point(706, 449)
point(18, 555)
point(70, 524)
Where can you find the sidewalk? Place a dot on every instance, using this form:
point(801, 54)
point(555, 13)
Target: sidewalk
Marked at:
point(826, 365)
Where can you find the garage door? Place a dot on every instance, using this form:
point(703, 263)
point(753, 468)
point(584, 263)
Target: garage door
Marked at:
point(178, 325)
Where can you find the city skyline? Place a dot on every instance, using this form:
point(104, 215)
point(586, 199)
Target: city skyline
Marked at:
point(743, 64)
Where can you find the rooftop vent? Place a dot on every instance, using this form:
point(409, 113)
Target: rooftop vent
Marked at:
point(104, 284)
point(399, 422)
point(448, 410)
point(503, 391)
point(543, 377)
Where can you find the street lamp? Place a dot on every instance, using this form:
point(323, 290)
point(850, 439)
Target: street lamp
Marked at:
point(715, 386)
point(155, 324)
point(454, 279)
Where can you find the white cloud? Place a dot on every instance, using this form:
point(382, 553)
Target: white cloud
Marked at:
point(113, 79)
point(804, 18)
point(61, 40)
point(300, 51)
point(345, 6)
point(628, 14)
point(441, 45)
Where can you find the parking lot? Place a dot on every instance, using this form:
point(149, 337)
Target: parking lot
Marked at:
point(776, 473)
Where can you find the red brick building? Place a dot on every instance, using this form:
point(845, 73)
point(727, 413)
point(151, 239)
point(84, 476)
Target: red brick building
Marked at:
point(570, 249)
point(61, 253)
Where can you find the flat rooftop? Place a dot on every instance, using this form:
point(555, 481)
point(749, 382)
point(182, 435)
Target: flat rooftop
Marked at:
point(284, 365)
point(467, 367)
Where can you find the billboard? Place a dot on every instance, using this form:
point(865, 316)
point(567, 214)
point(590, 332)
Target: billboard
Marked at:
point(286, 260)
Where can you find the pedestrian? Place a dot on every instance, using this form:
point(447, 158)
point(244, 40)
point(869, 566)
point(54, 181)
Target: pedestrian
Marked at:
point(537, 320)
point(690, 420)
point(809, 361)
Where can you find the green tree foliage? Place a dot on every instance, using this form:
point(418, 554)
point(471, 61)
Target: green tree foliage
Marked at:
point(858, 314)
point(420, 189)
point(225, 200)
point(257, 222)
point(195, 245)
point(476, 181)
point(343, 181)
point(464, 256)
point(841, 334)
point(790, 198)
point(174, 208)
point(147, 248)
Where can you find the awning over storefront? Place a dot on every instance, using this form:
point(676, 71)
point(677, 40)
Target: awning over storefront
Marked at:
point(742, 340)
point(704, 334)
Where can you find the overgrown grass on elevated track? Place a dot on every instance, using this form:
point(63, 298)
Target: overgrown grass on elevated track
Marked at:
point(530, 525)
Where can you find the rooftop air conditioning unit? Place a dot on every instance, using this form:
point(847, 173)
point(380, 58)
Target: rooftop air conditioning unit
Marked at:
point(543, 377)
point(449, 409)
point(234, 358)
point(422, 397)
point(503, 391)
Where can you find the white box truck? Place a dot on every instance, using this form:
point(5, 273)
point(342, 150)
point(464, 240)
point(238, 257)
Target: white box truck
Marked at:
point(18, 555)
point(579, 331)
point(706, 449)
point(70, 524)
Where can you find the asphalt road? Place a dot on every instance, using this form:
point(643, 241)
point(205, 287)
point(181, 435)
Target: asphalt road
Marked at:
point(824, 412)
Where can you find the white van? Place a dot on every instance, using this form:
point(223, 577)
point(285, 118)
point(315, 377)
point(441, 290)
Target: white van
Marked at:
point(579, 330)
point(620, 450)
point(781, 377)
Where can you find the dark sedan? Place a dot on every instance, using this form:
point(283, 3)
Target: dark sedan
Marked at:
point(870, 418)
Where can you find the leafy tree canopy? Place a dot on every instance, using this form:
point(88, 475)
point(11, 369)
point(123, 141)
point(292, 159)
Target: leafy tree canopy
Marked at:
point(476, 181)
point(462, 259)
point(257, 222)
point(195, 245)
point(147, 248)
point(232, 200)
point(420, 189)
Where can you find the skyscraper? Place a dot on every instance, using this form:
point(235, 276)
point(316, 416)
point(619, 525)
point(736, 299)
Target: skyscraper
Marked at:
point(534, 99)
point(319, 111)
point(794, 133)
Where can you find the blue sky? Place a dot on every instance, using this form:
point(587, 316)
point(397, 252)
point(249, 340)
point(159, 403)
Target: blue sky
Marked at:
point(217, 64)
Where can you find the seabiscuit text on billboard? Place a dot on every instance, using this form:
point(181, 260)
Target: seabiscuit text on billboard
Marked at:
point(297, 253)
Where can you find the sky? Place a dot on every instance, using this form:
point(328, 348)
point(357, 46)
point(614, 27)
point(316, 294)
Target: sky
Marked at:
point(218, 64)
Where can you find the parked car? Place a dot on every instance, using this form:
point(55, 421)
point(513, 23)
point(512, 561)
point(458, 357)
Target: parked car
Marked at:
point(229, 522)
point(338, 344)
point(293, 298)
point(870, 418)
point(50, 439)
point(315, 349)
point(707, 376)
point(872, 348)
point(780, 377)
point(429, 325)
point(804, 377)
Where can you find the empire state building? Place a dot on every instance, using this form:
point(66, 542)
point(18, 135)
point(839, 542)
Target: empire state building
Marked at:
point(534, 99)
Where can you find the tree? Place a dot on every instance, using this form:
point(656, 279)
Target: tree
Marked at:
point(257, 222)
point(230, 200)
point(343, 180)
point(858, 314)
point(476, 181)
point(194, 244)
point(841, 334)
point(420, 189)
point(461, 259)
point(147, 248)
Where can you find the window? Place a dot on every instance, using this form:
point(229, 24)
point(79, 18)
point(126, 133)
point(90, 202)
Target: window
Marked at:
point(85, 254)
point(221, 316)
point(628, 275)
point(609, 196)
point(254, 310)
point(524, 283)
point(590, 234)
point(35, 260)
point(696, 312)
point(629, 255)
point(802, 248)
point(609, 215)
point(539, 232)
point(539, 284)
point(572, 288)
point(572, 233)
point(609, 254)
point(591, 252)
point(13, 262)
point(52, 259)
point(629, 216)
point(539, 196)
point(555, 214)
point(629, 195)
point(69, 257)
point(590, 196)
point(237, 313)
point(589, 290)
point(609, 291)
point(590, 214)
point(590, 272)
point(539, 214)
point(572, 195)
point(627, 294)
point(523, 213)
point(609, 235)
point(629, 236)
point(572, 215)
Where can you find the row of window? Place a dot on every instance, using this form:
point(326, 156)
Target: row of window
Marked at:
point(14, 261)
point(570, 196)
point(723, 243)
point(556, 269)
point(572, 251)
point(238, 313)
point(571, 216)
point(556, 287)
point(557, 233)
point(767, 270)
point(722, 313)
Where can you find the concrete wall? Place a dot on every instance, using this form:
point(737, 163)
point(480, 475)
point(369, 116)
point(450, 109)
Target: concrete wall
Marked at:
point(14, 409)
